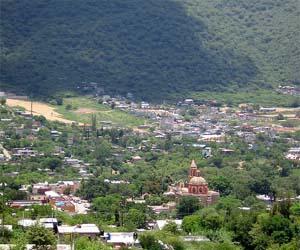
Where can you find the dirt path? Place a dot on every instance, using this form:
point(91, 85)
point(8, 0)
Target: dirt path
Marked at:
point(39, 108)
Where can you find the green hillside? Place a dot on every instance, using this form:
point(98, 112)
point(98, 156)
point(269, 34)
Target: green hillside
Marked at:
point(154, 48)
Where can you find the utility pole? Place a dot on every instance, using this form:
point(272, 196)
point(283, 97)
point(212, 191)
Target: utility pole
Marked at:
point(31, 104)
point(122, 206)
point(2, 208)
point(3, 184)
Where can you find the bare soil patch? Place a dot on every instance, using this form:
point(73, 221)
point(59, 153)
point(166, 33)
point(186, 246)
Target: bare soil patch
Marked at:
point(39, 108)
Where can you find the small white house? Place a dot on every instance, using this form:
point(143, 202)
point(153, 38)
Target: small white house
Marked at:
point(121, 239)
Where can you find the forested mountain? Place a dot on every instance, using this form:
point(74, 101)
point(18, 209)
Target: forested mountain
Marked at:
point(152, 48)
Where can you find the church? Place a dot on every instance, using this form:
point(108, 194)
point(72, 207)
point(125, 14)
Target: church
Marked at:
point(196, 187)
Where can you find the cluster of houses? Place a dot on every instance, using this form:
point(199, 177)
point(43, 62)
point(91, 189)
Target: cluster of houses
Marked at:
point(60, 196)
point(289, 90)
point(293, 154)
point(212, 124)
point(79, 165)
point(21, 153)
point(67, 233)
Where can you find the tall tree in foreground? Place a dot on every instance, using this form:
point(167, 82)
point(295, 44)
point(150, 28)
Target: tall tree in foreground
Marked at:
point(187, 206)
point(41, 238)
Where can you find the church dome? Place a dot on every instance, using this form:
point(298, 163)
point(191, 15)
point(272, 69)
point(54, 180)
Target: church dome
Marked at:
point(197, 181)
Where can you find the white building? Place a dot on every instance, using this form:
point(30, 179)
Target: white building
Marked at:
point(89, 230)
point(121, 239)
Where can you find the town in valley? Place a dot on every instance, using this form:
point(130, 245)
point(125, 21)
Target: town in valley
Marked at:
point(120, 186)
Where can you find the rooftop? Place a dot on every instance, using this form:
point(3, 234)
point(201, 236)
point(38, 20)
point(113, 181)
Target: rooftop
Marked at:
point(80, 229)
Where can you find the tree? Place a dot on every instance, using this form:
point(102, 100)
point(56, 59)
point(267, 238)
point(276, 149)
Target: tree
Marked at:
point(20, 241)
point(84, 243)
point(171, 227)
point(13, 194)
point(42, 119)
point(295, 209)
point(280, 117)
point(222, 184)
point(241, 224)
point(295, 103)
point(154, 200)
point(187, 206)
point(176, 243)
point(228, 204)
point(217, 161)
point(282, 207)
point(69, 107)
point(191, 223)
point(52, 163)
point(149, 242)
point(135, 218)
point(41, 211)
point(106, 207)
point(93, 187)
point(41, 238)
point(192, 111)
point(256, 107)
point(168, 142)
point(152, 186)
point(59, 101)
point(210, 219)
point(2, 101)
point(5, 235)
point(94, 122)
point(271, 229)
point(102, 151)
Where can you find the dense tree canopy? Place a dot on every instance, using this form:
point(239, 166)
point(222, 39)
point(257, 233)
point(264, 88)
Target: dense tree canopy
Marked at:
point(146, 46)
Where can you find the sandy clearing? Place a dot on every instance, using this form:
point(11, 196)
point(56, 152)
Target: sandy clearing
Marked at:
point(39, 108)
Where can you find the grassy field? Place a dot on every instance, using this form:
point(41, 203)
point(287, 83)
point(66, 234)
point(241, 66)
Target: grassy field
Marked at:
point(266, 98)
point(83, 108)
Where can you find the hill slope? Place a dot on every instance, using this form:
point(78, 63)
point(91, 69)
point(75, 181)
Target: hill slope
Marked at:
point(153, 48)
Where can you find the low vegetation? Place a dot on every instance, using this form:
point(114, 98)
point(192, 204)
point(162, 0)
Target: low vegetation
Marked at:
point(82, 109)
